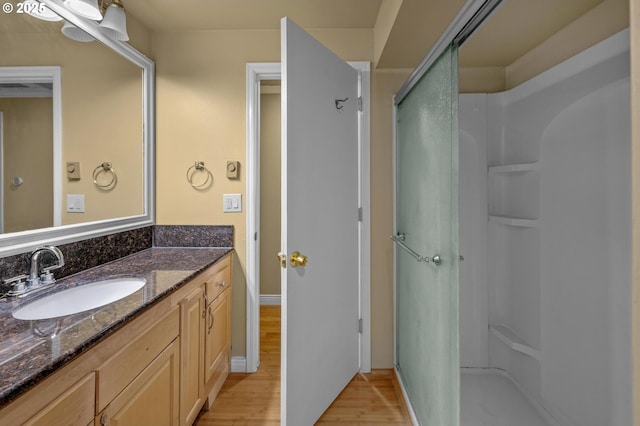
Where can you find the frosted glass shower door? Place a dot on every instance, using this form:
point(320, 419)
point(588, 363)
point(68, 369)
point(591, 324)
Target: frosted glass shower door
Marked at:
point(427, 356)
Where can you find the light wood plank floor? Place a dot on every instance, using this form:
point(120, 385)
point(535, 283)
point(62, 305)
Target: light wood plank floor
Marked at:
point(254, 399)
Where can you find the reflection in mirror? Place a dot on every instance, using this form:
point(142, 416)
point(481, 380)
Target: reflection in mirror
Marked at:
point(102, 121)
point(29, 141)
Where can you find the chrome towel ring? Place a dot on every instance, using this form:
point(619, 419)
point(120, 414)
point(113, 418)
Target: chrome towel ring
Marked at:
point(199, 168)
point(111, 179)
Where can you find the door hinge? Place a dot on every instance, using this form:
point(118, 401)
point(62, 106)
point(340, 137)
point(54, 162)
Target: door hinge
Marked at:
point(360, 325)
point(255, 237)
point(359, 103)
point(359, 214)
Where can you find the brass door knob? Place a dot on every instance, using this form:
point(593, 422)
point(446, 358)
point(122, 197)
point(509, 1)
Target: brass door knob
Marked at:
point(298, 259)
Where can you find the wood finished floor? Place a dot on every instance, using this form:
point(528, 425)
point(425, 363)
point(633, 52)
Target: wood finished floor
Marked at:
point(254, 399)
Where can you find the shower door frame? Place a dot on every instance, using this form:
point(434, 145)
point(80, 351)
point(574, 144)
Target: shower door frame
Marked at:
point(470, 16)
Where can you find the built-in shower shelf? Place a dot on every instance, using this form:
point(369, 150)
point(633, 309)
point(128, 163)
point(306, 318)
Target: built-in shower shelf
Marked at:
point(513, 221)
point(514, 168)
point(511, 339)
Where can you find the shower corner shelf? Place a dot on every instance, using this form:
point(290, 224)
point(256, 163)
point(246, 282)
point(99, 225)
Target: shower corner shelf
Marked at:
point(513, 221)
point(514, 168)
point(509, 338)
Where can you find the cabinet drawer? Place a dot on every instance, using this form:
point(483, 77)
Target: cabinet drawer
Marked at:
point(120, 370)
point(220, 281)
point(74, 407)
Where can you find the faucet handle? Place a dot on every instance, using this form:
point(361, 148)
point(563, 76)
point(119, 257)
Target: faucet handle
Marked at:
point(18, 285)
point(47, 277)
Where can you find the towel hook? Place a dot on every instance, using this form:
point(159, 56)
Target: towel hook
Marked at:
point(339, 103)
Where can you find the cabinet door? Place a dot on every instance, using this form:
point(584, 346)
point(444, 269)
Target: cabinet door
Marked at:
point(218, 339)
point(74, 407)
point(192, 356)
point(152, 398)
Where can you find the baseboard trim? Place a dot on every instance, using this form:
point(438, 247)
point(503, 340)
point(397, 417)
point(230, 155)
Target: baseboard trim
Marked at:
point(270, 299)
point(238, 364)
point(403, 397)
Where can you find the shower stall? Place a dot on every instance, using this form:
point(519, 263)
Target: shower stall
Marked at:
point(513, 246)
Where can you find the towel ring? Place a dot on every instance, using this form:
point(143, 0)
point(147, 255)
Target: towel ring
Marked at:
point(106, 168)
point(199, 167)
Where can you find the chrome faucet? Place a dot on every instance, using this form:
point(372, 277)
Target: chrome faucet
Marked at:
point(36, 280)
point(39, 278)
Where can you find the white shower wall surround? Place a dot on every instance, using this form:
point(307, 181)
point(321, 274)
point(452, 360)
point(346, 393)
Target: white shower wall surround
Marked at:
point(545, 228)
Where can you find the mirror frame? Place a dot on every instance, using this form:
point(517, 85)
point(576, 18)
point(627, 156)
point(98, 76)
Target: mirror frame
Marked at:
point(25, 241)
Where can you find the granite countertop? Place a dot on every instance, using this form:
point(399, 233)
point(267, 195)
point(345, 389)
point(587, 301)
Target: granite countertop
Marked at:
point(28, 353)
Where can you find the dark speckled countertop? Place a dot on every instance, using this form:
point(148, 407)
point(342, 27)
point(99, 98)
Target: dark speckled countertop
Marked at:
point(27, 352)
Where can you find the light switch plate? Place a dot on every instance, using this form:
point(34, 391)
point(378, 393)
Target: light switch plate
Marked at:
point(75, 203)
point(232, 203)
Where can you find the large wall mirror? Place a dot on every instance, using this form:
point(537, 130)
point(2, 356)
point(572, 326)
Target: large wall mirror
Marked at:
point(76, 140)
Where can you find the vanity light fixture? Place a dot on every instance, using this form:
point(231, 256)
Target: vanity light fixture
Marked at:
point(86, 8)
point(40, 11)
point(114, 23)
point(75, 33)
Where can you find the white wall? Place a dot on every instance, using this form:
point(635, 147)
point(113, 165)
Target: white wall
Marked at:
point(559, 281)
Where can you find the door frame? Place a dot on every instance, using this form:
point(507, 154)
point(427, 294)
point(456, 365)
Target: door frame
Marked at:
point(257, 72)
point(44, 74)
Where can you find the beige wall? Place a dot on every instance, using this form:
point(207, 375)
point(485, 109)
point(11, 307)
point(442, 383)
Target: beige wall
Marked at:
point(27, 128)
point(599, 23)
point(384, 84)
point(201, 103)
point(269, 192)
point(102, 122)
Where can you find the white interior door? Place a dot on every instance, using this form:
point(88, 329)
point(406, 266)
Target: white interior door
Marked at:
point(319, 220)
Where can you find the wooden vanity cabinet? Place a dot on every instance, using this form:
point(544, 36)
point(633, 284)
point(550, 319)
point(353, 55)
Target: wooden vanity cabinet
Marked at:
point(141, 381)
point(218, 343)
point(151, 398)
point(74, 407)
point(192, 349)
point(217, 338)
point(205, 333)
point(161, 368)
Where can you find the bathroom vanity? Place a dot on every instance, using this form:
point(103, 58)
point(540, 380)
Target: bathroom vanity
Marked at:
point(154, 357)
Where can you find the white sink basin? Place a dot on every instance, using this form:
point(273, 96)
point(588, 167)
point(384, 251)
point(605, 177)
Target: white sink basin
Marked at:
point(79, 299)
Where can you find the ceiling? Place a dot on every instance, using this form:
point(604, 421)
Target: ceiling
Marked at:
point(411, 27)
point(517, 26)
point(195, 15)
